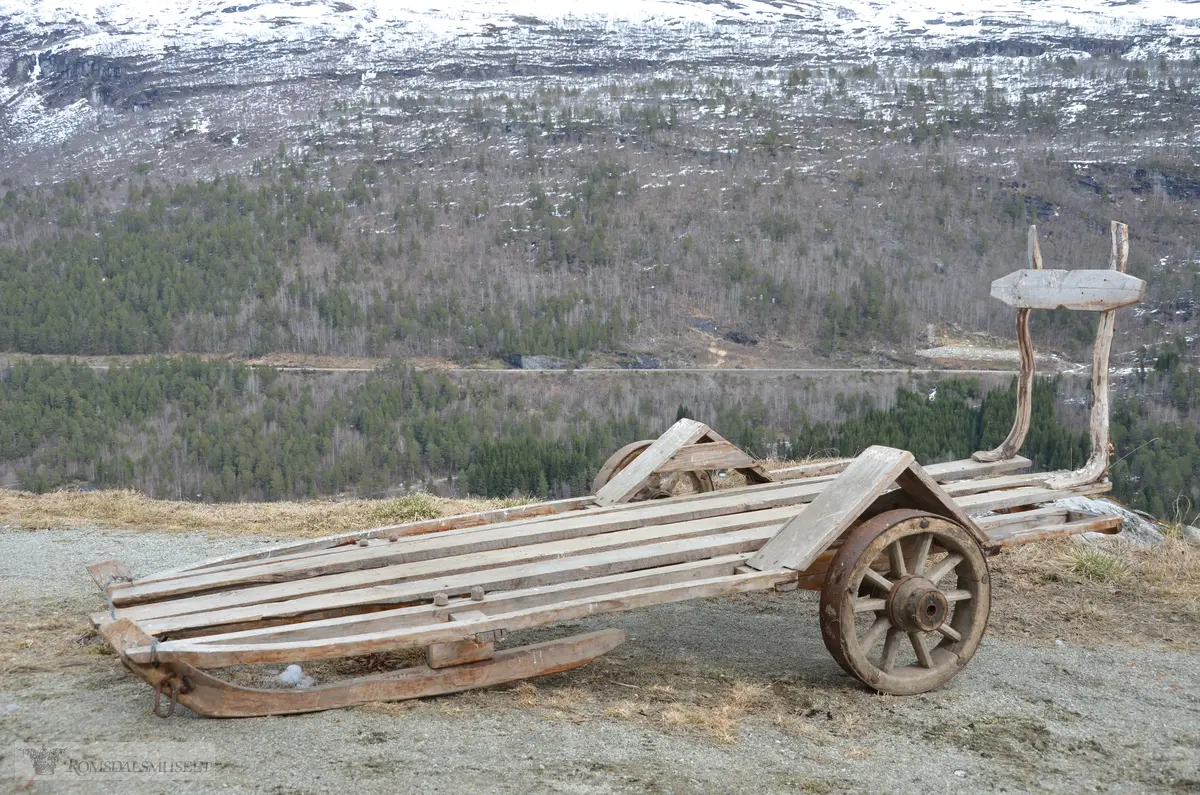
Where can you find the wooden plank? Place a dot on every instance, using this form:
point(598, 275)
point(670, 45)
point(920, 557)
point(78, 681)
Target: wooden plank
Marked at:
point(503, 601)
point(212, 697)
point(108, 573)
point(632, 478)
point(1094, 290)
point(707, 455)
point(1002, 522)
point(1009, 536)
point(355, 569)
point(839, 504)
point(1028, 495)
point(525, 575)
point(202, 655)
point(435, 525)
point(950, 470)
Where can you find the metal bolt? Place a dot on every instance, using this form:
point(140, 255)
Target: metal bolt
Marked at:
point(441, 600)
point(477, 594)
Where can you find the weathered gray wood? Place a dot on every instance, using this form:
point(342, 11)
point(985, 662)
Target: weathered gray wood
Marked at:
point(212, 697)
point(436, 525)
point(503, 601)
point(1097, 463)
point(1016, 435)
point(203, 655)
point(839, 504)
point(524, 575)
point(707, 455)
point(458, 652)
point(1094, 290)
point(108, 573)
point(357, 566)
point(929, 496)
point(1008, 536)
point(537, 528)
point(632, 478)
point(949, 470)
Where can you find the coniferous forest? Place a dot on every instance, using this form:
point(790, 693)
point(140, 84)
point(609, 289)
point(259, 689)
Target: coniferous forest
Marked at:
point(184, 427)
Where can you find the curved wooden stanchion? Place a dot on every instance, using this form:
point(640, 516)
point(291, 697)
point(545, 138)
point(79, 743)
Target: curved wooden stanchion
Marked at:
point(1097, 463)
point(1016, 437)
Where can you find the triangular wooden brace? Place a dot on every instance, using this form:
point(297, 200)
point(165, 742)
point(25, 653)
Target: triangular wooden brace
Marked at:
point(865, 488)
point(630, 480)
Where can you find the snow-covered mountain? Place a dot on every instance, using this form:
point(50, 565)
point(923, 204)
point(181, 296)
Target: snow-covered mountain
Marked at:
point(70, 69)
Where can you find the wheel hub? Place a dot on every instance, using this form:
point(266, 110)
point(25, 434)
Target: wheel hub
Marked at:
point(916, 605)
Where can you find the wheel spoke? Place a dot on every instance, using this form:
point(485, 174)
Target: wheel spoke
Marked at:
point(878, 580)
point(958, 595)
point(869, 605)
point(872, 635)
point(950, 632)
point(944, 567)
point(919, 647)
point(921, 554)
point(896, 556)
point(891, 647)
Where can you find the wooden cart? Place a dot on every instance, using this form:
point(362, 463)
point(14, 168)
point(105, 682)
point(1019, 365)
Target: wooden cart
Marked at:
point(898, 551)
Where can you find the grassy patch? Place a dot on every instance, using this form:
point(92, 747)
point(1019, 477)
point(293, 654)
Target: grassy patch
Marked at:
point(132, 510)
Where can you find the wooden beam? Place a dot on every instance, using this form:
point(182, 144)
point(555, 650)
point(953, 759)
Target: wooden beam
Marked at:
point(1094, 290)
point(839, 504)
point(1009, 536)
point(1020, 427)
point(631, 479)
point(213, 697)
point(1097, 463)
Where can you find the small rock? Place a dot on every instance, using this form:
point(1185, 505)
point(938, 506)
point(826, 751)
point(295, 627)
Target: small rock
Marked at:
point(960, 773)
point(11, 708)
point(1191, 535)
point(1059, 642)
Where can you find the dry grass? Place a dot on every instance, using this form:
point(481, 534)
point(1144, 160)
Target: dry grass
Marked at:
point(1102, 592)
point(132, 510)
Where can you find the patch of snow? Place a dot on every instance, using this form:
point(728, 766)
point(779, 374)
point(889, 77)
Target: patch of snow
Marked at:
point(293, 675)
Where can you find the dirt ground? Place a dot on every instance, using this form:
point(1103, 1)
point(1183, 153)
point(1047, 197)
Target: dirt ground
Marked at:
point(1077, 688)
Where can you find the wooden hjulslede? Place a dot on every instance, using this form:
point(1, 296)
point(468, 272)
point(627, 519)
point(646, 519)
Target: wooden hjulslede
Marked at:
point(898, 550)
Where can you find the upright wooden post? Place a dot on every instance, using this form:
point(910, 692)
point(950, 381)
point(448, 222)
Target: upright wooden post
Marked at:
point(1097, 463)
point(1016, 437)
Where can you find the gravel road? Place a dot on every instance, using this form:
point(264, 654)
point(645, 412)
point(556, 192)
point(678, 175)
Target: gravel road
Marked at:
point(653, 716)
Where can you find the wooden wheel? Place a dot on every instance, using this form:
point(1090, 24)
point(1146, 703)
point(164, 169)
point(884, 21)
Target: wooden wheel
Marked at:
point(668, 485)
point(905, 601)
